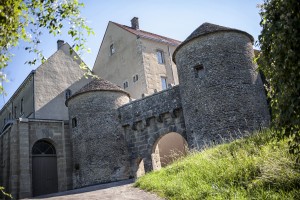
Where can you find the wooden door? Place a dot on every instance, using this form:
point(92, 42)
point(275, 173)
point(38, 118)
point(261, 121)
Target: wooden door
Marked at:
point(44, 169)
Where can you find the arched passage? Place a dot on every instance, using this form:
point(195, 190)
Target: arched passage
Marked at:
point(44, 168)
point(167, 149)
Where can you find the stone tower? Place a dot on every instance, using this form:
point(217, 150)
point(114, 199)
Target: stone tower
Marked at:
point(99, 149)
point(222, 93)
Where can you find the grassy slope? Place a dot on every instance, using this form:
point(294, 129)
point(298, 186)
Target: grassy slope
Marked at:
point(252, 168)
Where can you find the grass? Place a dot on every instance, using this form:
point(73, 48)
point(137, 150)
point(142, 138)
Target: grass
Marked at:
point(256, 167)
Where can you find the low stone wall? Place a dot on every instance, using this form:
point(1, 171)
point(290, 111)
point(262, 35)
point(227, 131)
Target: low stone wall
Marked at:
point(167, 101)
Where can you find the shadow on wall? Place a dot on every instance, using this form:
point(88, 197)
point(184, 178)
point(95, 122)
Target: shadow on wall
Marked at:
point(56, 108)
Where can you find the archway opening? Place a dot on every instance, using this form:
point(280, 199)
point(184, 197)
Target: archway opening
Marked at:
point(167, 149)
point(44, 168)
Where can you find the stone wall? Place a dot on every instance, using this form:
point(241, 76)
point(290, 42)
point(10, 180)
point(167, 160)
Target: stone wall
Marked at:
point(55, 132)
point(59, 73)
point(124, 63)
point(146, 120)
point(21, 104)
point(222, 93)
point(134, 55)
point(99, 151)
point(16, 159)
point(154, 70)
point(167, 101)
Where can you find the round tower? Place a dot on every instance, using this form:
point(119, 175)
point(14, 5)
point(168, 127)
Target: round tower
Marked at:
point(99, 150)
point(222, 93)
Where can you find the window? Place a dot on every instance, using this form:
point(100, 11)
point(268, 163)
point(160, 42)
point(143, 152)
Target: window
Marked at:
point(199, 71)
point(68, 93)
point(74, 122)
point(135, 78)
point(15, 112)
point(112, 49)
point(125, 84)
point(43, 147)
point(21, 110)
point(164, 84)
point(160, 57)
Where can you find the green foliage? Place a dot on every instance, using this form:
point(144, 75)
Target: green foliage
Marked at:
point(25, 20)
point(2, 190)
point(279, 60)
point(254, 168)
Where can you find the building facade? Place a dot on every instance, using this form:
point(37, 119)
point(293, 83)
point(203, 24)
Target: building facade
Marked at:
point(102, 135)
point(138, 61)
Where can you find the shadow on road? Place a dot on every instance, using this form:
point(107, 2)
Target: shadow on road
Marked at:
point(86, 189)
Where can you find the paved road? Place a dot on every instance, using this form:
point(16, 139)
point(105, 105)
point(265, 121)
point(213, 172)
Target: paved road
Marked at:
point(122, 190)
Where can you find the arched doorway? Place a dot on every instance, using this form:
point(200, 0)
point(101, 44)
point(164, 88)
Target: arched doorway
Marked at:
point(167, 149)
point(44, 168)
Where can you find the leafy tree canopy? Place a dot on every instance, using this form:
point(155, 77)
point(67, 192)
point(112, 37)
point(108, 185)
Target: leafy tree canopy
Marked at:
point(279, 60)
point(24, 20)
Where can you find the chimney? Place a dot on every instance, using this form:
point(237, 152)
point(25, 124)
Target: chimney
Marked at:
point(135, 23)
point(60, 43)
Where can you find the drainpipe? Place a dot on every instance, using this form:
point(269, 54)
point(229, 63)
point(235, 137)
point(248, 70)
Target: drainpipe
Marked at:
point(33, 93)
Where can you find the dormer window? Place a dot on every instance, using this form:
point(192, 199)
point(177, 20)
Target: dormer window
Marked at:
point(112, 49)
point(160, 56)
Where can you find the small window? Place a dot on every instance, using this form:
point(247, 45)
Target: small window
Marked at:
point(164, 83)
point(15, 112)
point(199, 71)
point(125, 84)
point(74, 122)
point(160, 57)
point(9, 115)
point(21, 110)
point(68, 93)
point(135, 78)
point(112, 49)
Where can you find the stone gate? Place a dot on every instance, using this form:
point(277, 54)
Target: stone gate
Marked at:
point(147, 120)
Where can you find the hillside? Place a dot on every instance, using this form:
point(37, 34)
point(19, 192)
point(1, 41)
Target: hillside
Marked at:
point(253, 168)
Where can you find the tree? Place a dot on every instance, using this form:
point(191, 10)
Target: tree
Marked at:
point(279, 60)
point(4, 193)
point(25, 20)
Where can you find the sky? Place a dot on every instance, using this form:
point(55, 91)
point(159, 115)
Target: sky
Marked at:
point(175, 19)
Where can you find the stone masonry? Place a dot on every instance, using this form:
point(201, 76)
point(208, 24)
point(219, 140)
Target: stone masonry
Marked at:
point(109, 137)
point(219, 98)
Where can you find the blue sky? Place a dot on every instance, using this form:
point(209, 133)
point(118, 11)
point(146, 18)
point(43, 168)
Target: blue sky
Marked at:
point(175, 19)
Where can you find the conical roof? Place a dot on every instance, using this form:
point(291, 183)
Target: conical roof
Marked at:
point(208, 28)
point(98, 84)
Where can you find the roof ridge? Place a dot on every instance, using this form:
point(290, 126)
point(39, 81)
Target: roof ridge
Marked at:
point(135, 32)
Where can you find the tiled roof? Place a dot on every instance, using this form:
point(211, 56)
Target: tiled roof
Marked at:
point(148, 35)
point(98, 84)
